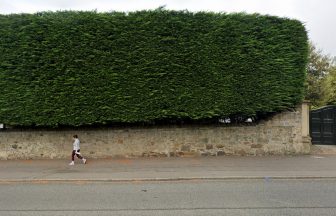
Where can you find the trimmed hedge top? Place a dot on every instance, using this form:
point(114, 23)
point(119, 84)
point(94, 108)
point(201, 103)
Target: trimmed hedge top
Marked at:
point(84, 68)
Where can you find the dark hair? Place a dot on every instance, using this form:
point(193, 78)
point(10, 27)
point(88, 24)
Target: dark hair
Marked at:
point(75, 136)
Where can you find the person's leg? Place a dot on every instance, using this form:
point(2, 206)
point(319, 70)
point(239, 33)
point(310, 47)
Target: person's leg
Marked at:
point(80, 157)
point(73, 157)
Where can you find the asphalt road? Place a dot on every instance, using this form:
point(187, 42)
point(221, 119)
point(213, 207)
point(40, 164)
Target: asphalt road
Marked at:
point(228, 197)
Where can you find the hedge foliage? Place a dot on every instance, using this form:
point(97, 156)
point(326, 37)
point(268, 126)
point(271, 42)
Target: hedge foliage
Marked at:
point(83, 68)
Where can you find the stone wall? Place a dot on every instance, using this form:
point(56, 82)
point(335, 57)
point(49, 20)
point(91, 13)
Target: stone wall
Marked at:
point(284, 133)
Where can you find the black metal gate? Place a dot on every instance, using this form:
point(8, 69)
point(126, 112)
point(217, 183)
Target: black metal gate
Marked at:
point(322, 125)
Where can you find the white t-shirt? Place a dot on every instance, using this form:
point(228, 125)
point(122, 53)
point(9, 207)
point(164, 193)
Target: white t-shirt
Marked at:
point(76, 144)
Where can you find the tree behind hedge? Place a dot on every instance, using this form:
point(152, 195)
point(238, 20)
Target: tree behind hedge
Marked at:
point(320, 75)
point(84, 68)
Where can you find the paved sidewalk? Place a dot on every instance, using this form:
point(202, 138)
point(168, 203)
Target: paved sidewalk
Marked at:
point(162, 169)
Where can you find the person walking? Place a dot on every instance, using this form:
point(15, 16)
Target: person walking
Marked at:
point(76, 151)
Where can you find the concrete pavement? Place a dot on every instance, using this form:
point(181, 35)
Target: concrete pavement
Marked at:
point(164, 169)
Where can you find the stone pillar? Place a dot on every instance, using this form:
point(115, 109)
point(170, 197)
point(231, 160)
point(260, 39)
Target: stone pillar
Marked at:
point(306, 139)
point(305, 118)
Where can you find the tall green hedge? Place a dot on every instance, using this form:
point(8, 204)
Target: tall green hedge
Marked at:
point(84, 68)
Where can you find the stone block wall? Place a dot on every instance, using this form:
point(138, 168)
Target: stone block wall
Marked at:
point(284, 133)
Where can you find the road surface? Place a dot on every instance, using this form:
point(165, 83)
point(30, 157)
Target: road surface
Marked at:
point(227, 197)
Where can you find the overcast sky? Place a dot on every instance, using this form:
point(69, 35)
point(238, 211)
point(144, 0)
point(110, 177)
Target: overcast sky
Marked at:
point(319, 16)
